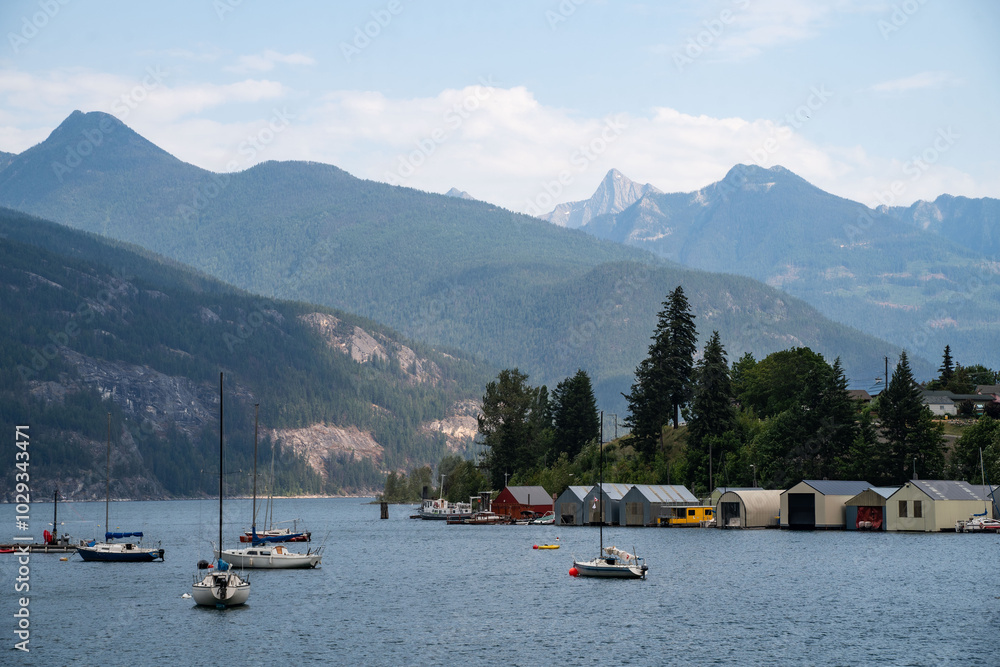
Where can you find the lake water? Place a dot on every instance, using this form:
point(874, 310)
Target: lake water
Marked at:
point(405, 592)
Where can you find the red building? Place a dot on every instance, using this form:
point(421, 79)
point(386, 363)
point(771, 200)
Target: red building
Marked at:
point(519, 501)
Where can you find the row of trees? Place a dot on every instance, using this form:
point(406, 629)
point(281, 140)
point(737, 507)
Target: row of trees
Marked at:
point(771, 422)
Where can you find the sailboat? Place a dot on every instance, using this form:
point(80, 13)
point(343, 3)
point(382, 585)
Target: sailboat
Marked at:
point(611, 562)
point(271, 534)
point(981, 523)
point(221, 587)
point(121, 552)
point(260, 555)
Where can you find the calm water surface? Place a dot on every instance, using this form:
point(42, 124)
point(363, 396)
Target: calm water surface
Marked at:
point(404, 592)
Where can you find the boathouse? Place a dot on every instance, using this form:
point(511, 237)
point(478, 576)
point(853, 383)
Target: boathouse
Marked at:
point(522, 501)
point(713, 499)
point(930, 505)
point(568, 507)
point(645, 504)
point(818, 503)
point(866, 511)
point(748, 508)
point(613, 494)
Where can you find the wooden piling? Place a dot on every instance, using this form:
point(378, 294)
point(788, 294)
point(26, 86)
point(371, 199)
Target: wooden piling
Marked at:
point(385, 510)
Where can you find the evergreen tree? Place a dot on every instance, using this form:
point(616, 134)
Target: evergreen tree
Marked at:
point(506, 425)
point(574, 414)
point(663, 379)
point(947, 369)
point(907, 427)
point(712, 412)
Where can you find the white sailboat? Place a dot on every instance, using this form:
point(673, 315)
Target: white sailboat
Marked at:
point(221, 587)
point(611, 562)
point(261, 555)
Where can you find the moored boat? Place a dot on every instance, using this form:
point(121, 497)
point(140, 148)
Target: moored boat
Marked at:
point(116, 552)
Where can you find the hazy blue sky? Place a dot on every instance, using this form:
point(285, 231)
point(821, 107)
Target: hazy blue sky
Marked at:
point(529, 103)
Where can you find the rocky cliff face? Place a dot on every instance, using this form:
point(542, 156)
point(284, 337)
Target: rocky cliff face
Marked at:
point(363, 347)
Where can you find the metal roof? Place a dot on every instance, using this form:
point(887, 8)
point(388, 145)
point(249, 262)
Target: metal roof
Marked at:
point(579, 491)
point(837, 487)
point(523, 493)
point(874, 496)
point(660, 493)
point(946, 489)
point(612, 491)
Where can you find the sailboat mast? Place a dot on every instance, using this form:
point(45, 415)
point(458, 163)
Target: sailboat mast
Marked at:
point(600, 493)
point(253, 519)
point(220, 463)
point(55, 513)
point(107, 483)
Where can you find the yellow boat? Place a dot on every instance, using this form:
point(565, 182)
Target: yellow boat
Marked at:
point(546, 546)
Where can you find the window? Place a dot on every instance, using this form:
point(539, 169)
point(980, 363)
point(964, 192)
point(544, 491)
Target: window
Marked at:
point(690, 512)
point(918, 509)
point(902, 509)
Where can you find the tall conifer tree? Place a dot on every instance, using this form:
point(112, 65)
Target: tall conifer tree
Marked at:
point(907, 426)
point(575, 414)
point(663, 379)
point(712, 411)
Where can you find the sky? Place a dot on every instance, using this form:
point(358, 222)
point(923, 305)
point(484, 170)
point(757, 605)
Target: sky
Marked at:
point(527, 104)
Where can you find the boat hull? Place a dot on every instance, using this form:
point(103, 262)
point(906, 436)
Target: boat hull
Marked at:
point(265, 559)
point(101, 553)
point(602, 569)
point(220, 589)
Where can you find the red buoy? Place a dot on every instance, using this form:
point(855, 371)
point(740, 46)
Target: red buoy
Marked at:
point(573, 572)
point(535, 547)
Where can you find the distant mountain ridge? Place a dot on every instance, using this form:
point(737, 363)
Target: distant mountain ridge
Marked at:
point(615, 194)
point(507, 288)
point(973, 223)
point(902, 274)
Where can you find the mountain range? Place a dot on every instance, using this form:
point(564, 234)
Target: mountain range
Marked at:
point(508, 288)
point(93, 326)
point(922, 276)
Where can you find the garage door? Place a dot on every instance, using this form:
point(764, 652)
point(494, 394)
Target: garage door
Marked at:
point(801, 510)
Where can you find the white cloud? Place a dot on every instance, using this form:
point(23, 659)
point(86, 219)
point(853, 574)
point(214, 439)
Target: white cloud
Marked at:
point(265, 62)
point(916, 82)
point(500, 144)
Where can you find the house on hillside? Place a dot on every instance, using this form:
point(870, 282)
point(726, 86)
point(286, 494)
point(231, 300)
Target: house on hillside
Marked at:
point(818, 503)
point(568, 507)
point(989, 390)
point(940, 403)
point(522, 501)
point(859, 395)
point(931, 505)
